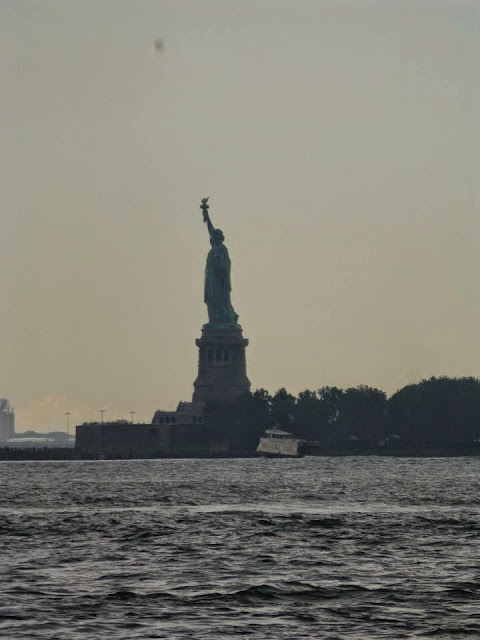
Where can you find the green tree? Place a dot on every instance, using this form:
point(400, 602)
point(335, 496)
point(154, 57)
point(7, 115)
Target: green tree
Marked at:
point(239, 422)
point(283, 410)
point(436, 412)
point(311, 416)
point(361, 415)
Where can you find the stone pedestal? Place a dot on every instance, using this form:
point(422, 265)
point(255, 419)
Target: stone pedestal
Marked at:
point(222, 369)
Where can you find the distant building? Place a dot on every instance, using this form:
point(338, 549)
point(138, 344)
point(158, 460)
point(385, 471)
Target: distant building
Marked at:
point(7, 420)
point(34, 439)
point(186, 413)
point(180, 433)
point(30, 443)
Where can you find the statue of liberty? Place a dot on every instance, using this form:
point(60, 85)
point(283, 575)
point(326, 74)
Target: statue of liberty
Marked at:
point(217, 277)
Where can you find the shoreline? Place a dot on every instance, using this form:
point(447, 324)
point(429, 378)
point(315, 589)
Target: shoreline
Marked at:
point(63, 454)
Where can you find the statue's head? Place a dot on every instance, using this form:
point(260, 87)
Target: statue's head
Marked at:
point(217, 237)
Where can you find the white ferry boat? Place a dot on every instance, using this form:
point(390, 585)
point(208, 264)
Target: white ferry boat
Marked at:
point(278, 444)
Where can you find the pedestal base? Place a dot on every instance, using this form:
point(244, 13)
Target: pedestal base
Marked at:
point(222, 369)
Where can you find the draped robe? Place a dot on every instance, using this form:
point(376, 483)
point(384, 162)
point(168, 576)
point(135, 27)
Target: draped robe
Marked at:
point(218, 286)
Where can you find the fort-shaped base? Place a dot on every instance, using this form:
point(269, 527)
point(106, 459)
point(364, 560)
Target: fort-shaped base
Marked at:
point(222, 369)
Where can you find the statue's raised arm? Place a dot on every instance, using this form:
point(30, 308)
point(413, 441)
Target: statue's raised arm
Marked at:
point(206, 216)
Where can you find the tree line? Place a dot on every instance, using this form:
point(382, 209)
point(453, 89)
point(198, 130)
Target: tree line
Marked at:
point(435, 413)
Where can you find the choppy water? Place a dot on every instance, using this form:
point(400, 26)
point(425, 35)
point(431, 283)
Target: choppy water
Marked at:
point(313, 548)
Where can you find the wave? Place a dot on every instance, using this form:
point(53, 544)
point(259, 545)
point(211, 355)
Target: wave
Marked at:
point(260, 592)
point(283, 590)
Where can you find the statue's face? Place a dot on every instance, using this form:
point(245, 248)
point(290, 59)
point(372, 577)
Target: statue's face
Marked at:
point(217, 237)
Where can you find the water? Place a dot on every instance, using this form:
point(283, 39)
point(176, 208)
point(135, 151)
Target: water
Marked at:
point(313, 548)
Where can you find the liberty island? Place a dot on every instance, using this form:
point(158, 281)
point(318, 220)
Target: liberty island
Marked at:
point(434, 417)
point(222, 377)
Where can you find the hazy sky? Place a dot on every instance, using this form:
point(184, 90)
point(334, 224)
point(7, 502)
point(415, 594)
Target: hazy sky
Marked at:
point(338, 142)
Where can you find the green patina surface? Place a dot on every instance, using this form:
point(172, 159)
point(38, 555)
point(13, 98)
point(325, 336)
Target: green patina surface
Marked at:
point(218, 288)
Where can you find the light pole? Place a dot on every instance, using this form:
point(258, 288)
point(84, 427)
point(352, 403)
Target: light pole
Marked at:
point(103, 411)
point(132, 413)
